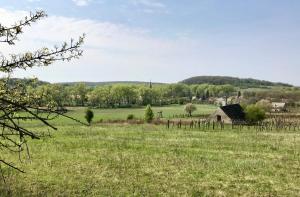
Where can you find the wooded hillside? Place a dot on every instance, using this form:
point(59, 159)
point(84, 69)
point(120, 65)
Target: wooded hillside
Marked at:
point(237, 82)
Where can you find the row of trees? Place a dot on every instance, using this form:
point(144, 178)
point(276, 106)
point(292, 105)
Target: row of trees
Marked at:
point(122, 95)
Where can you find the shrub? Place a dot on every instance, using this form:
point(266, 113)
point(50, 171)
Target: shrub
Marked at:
point(265, 105)
point(89, 115)
point(149, 115)
point(190, 108)
point(130, 117)
point(255, 113)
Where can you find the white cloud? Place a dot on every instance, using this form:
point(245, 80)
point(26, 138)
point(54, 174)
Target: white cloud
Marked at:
point(150, 6)
point(81, 2)
point(32, 1)
point(109, 49)
point(118, 52)
point(149, 3)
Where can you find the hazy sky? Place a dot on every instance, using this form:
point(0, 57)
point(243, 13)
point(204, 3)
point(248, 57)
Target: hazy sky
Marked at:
point(164, 40)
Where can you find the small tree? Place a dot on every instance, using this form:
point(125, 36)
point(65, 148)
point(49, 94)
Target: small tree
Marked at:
point(149, 115)
point(207, 95)
point(239, 94)
point(130, 117)
point(89, 115)
point(190, 108)
point(255, 113)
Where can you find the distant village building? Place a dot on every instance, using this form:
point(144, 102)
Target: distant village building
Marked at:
point(194, 98)
point(220, 101)
point(228, 114)
point(279, 107)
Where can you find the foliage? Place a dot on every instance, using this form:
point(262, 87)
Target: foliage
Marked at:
point(190, 108)
point(275, 95)
point(124, 95)
point(264, 104)
point(89, 115)
point(18, 102)
point(237, 82)
point(128, 95)
point(133, 95)
point(254, 113)
point(149, 115)
point(79, 93)
point(130, 117)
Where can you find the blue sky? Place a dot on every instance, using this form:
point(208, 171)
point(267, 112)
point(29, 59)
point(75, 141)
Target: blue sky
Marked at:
point(166, 40)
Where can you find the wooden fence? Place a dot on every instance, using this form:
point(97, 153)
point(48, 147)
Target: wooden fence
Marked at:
point(268, 125)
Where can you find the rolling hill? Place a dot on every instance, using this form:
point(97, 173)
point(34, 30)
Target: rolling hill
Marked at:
point(238, 82)
point(213, 80)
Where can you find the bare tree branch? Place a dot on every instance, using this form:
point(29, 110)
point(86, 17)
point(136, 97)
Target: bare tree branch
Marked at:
point(16, 103)
point(10, 34)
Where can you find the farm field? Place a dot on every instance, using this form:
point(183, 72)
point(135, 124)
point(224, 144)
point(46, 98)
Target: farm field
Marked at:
point(122, 113)
point(149, 98)
point(149, 160)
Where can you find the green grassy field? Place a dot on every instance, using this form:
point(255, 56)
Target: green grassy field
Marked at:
point(121, 114)
point(148, 160)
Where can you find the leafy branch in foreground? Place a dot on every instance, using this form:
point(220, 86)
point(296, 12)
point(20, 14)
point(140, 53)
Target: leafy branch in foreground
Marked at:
point(42, 57)
point(10, 34)
point(16, 103)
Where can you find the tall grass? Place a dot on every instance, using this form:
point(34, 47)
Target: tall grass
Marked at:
point(148, 160)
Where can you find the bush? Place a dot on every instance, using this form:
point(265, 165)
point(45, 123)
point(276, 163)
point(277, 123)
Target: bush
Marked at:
point(149, 115)
point(255, 113)
point(190, 108)
point(89, 115)
point(265, 105)
point(130, 117)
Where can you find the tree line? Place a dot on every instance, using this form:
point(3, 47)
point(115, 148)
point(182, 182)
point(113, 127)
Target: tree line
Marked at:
point(237, 82)
point(126, 95)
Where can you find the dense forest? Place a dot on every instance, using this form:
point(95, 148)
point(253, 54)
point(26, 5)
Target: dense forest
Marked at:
point(237, 82)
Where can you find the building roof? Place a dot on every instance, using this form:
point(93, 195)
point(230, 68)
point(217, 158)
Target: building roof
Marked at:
point(234, 112)
point(278, 105)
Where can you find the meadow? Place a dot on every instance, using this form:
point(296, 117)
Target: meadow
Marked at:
point(150, 160)
point(121, 113)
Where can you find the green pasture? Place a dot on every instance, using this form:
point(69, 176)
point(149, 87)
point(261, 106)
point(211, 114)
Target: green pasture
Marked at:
point(149, 160)
point(122, 113)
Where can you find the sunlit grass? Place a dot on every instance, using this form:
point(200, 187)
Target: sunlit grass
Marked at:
point(148, 160)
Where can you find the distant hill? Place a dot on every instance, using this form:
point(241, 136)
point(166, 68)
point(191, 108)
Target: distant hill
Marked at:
point(13, 81)
point(238, 82)
point(92, 84)
point(214, 80)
